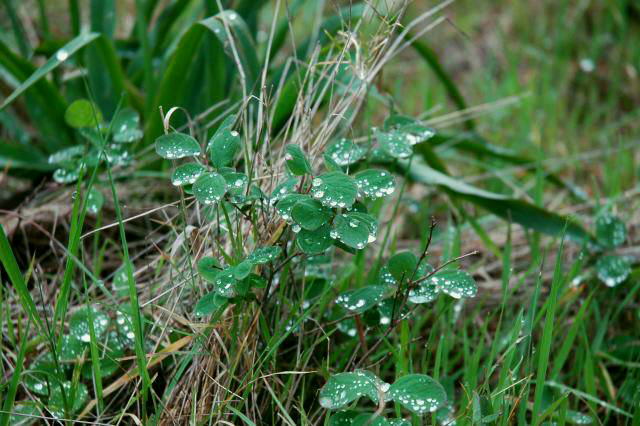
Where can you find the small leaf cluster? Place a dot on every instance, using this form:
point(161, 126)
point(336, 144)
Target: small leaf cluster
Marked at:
point(418, 393)
point(611, 232)
point(47, 374)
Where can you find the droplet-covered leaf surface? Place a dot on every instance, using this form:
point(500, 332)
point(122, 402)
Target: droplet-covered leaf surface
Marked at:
point(355, 229)
point(126, 126)
point(611, 232)
point(613, 270)
point(223, 147)
point(177, 145)
point(297, 162)
point(334, 189)
point(316, 241)
point(209, 188)
point(345, 152)
point(82, 113)
point(456, 283)
point(310, 214)
point(95, 201)
point(263, 255)
point(286, 203)
point(373, 183)
point(187, 174)
point(225, 283)
point(75, 400)
point(425, 292)
point(395, 143)
point(79, 324)
point(344, 388)
point(402, 265)
point(418, 393)
point(283, 189)
point(209, 268)
point(362, 299)
point(210, 303)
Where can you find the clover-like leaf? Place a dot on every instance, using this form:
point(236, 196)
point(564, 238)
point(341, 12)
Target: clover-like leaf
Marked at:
point(263, 255)
point(611, 232)
point(95, 200)
point(391, 309)
point(310, 214)
point(242, 269)
point(177, 145)
point(362, 299)
point(225, 283)
point(316, 241)
point(223, 147)
point(334, 189)
point(236, 182)
point(286, 203)
point(370, 419)
point(187, 174)
point(374, 183)
point(209, 188)
point(613, 270)
point(395, 143)
point(344, 388)
point(76, 399)
point(82, 113)
point(578, 418)
point(418, 393)
point(425, 292)
point(42, 374)
point(210, 303)
point(283, 189)
point(402, 265)
point(79, 323)
point(355, 229)
point(67, 156)
point(455, 283)
point(66, 175)
point(126, 126)
point(209, 268)
point(297, 162)
point(345, 152)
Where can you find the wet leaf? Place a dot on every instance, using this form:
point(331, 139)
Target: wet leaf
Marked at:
point(283, 189)
point(310, 214)
point(42, 374)
point(374, 183)
point(82, 113)
point(67, 157)
point(126, 126)
point(236, 182)
point(210, 303)
point(66, 175)
point(402, 266)
point(177, 145)
point(418, 393)
point(425, 292)
point(223, 147)
point(362, 299)
point(209, 268)
point(456, 283)
point(355, 229)
point(344, 388)
point(242, 269)
point(395, 143)
point(225, 283)
point(345, 152)
point(79, 324)
point(187, 174)
point(209, 188)
point(611, 232)
point(76, 399)
point(316, 241)
point(613, 270)
point(264, 255)
point(297, 162)
point(286, 203)
point(334, 189)
point(95, 200)
point(578, 418)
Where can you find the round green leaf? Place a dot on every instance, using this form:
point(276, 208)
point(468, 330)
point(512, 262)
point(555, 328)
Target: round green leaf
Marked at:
point(283, 189)
point(297, 162)
point(355, 229)
point(95, 200)
point(187, 174)
point(425, 292)
point(316, 241)
point(334, 189)
point(264, 255)
point(225, 283)
point(79, 324)
point(177, 145)
point(418, 393)
point(210, 303)
point(402, 266)
point(223, 146)
point(344, 388)
point(456, 283)
point(209, 188)
point(345, 152)
point(126, 126)
point(610, 231)
point(242, 269)
point(613, 270)
point(42, 374)
point(66, 175)
point(68, 156)
point(578, 418)
point(209, 268)
point(236, 182)
point(390, 308)
point(395, 143)
point(362, 299)
point(286, 203)
point(310, 214)
point(76, 399)
point(370, 419)
point(82, 113)
point(374, 183)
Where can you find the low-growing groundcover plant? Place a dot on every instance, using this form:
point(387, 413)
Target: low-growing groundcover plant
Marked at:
point(272, 281)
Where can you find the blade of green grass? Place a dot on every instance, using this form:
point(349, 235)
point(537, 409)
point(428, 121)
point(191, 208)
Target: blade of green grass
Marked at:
point(10, 394)
point(18, 30)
